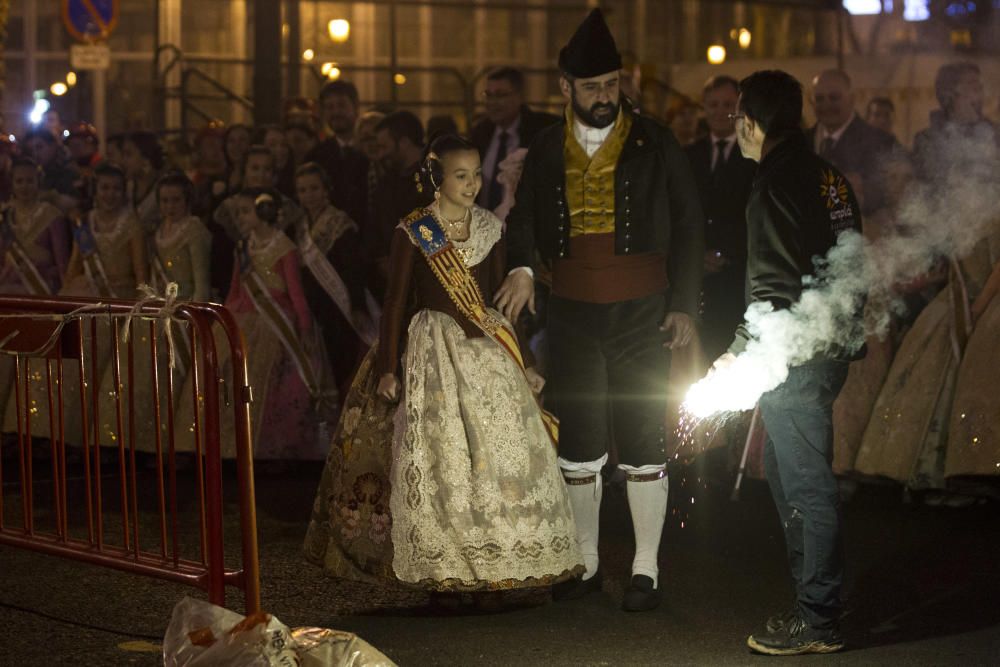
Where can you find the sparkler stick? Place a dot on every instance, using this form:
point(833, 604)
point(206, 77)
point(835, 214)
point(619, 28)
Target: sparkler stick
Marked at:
point(743, 460)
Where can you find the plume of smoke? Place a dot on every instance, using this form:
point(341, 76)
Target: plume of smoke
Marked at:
point(942, 218)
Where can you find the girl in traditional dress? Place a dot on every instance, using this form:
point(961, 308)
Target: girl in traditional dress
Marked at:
point(267, 299)
point(972, 463)
point(457, 488)
point(109, 247)
point(179, 254)
point(181, 244)
point(333, 274)
point(909, 438)
point(108, 262)
point(34, 243)
point(853, 408)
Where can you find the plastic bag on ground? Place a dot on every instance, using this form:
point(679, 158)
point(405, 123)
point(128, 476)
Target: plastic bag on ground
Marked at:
point(202, 634)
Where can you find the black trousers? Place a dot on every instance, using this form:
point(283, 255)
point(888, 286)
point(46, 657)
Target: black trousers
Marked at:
point(607, 378)
point(797, 461)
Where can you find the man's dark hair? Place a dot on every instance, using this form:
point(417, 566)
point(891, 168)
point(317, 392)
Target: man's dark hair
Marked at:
point(882, 102)
point(345, 88)
point(510, 74)
point(773, 100)
point(401, 124)
point(720, 81)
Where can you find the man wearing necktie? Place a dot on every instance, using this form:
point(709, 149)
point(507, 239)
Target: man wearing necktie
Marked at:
point(846, 140)
point(509, 124)
point(724, 179)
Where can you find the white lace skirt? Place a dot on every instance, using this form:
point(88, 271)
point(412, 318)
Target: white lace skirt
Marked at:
point(477, 498)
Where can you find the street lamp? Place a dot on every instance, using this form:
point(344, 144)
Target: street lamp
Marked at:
point(716, 54)
point(744, 38)
point(70, 79)
point(58, 88)
point(339, 29)
point(308, 54)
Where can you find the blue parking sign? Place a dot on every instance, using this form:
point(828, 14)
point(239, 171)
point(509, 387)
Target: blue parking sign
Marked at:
point(90, 20)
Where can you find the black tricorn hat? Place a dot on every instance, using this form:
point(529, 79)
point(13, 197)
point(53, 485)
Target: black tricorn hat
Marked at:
point(591, 50)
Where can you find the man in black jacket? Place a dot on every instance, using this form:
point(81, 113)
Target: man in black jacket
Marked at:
point(724, 178)
point(799, 205)
point(607, 199)
point(509, 124)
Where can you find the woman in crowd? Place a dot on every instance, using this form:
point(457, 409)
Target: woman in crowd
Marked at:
point(457, 488)
point(180, 247)
point(109, 250)
point(34, 243)
point(333, 275)
point(267, 299)
point(34, 236)
point(179, 254)
point(108, 261)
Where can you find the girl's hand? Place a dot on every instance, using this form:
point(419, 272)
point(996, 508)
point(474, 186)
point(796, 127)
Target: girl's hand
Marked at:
point(535, 381)
point(388, 387)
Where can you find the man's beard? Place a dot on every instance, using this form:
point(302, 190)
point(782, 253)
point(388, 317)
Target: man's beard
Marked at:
point(590, 116)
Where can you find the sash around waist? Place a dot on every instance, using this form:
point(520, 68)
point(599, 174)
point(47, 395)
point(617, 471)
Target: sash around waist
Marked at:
point(593, 273)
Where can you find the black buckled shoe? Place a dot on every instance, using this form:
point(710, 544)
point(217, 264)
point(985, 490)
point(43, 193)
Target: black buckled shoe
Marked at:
point(641, 595)
point(576, 588)
point(796, 638)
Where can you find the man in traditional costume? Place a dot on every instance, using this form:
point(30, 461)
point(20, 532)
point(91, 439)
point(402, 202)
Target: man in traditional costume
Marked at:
point(608, 200)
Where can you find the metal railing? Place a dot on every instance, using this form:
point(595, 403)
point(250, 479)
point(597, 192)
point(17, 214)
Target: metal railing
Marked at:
point(102, 410)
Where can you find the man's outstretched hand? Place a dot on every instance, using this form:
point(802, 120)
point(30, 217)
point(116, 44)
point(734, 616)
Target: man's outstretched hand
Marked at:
point(517, 290)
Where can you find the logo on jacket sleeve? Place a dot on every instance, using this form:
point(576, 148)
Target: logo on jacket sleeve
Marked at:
point(833, 189)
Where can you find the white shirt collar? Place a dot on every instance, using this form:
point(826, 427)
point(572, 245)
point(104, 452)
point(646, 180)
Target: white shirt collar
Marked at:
point(590, 138)
point(826, 134)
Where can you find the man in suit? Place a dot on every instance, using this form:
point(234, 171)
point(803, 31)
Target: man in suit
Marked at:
point(844, 139)
point(509, 124)
point(724, 178)
point(400, 139)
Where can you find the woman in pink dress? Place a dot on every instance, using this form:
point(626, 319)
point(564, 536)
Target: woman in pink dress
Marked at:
point(267, 298)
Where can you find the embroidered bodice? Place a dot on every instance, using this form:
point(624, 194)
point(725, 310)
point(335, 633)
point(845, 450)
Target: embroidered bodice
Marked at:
point(183, 253)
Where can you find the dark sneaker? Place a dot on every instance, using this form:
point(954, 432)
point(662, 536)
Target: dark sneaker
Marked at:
point(797, 638)
point(778, 622)
point(640, 595)
point(575, 589)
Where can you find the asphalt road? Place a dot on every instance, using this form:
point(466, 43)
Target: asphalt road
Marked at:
point(922, 590)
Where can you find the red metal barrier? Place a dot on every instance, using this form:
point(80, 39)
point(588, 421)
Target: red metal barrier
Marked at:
point(67, 336)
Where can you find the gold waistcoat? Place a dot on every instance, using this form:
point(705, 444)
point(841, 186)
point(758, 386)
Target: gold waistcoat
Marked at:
point(590, 181)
